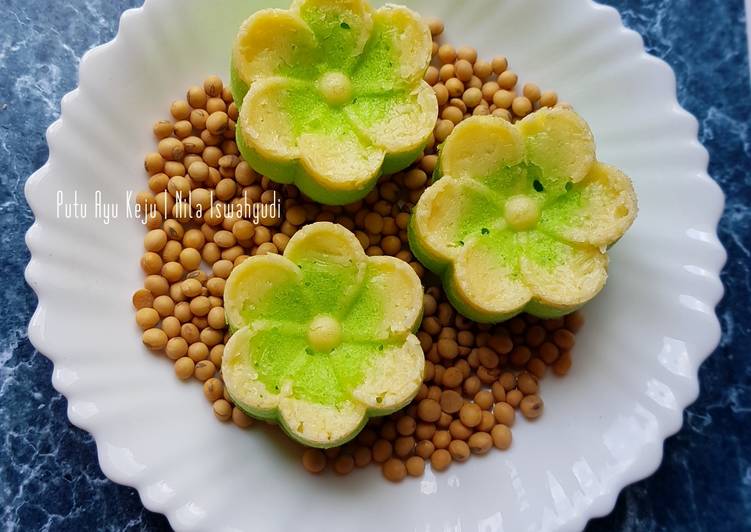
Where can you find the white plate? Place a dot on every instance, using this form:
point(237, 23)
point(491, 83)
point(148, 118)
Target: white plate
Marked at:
point(635, 364)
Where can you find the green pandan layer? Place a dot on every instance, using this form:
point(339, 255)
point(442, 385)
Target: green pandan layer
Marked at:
point(340, 32)
point(375, 65)
point(324, 335)
point(238, 87)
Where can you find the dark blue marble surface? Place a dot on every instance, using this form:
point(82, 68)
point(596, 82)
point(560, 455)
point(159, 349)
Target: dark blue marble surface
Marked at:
point(49, 477)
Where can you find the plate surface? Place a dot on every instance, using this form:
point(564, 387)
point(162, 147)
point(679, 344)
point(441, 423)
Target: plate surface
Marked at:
point(635, 363)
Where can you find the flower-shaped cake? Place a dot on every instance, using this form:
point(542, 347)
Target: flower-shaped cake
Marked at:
point(322, 336)
point(331, 94)
point(522, 216)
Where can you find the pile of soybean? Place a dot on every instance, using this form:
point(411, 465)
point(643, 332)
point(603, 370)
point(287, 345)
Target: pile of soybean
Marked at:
point(200, 192)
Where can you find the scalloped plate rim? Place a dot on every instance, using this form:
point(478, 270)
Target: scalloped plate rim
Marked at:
point(599, 506)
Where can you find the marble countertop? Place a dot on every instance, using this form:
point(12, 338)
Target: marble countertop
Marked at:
point(49, 477)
